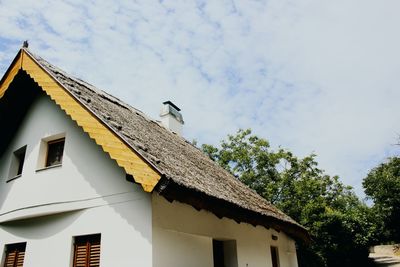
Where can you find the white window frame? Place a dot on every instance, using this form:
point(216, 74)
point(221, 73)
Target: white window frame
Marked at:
point(43, 151)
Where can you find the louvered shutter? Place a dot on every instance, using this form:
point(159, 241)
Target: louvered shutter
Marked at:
point(15, 254)
point(94, 259)
point(87, 251)
point(20, 259)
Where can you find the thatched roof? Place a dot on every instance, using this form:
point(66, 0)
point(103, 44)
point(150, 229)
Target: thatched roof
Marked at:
point(188, 174)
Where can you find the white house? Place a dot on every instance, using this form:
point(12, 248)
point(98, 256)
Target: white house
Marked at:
point(87, 180)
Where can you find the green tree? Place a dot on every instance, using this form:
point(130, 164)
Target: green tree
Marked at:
point(382, 185)
point(337, 220)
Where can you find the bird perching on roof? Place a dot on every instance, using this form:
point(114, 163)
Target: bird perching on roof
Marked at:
point(25, 44)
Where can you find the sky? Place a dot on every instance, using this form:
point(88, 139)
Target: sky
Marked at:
point(311, 76)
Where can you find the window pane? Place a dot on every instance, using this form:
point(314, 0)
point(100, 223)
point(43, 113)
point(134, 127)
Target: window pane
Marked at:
point(55, 151)
point(17, 162)
point(20, 158)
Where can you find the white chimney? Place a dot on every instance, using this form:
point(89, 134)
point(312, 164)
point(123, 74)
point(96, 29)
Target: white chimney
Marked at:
point(171, 118)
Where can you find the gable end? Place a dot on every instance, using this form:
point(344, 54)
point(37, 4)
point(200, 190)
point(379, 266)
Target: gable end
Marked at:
point(124, 155)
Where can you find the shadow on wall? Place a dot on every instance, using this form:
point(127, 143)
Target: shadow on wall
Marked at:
point(47, 225)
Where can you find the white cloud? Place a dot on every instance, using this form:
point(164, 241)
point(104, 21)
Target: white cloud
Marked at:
point(312, 76)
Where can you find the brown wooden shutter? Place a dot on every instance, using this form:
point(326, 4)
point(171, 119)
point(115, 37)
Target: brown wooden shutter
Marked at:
point(15, 254)
point(87, 251)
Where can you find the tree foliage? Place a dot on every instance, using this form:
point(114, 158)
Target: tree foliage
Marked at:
point(338, 221)
point(382, 185)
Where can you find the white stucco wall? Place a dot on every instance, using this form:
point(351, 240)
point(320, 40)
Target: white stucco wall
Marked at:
point(87, 194)
point(182, 236)
point(179, 249)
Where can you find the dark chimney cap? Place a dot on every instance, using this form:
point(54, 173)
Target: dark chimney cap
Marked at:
point(171, 104)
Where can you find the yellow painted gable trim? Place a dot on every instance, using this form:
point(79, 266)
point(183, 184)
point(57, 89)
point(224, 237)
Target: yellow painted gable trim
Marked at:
point(10, 74)
point(123, 154)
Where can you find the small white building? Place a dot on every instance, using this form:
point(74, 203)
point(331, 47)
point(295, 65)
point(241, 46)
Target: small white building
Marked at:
point(87, 180)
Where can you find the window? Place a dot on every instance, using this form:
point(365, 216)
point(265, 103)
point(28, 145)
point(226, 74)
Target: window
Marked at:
point(87, 251)
point(51, 151)
point(55, 149)
point(15, 254)
point(17, 162)
point(274, 256)
point(224, 253)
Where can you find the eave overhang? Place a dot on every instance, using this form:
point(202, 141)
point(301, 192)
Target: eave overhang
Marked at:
point(200, 201)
